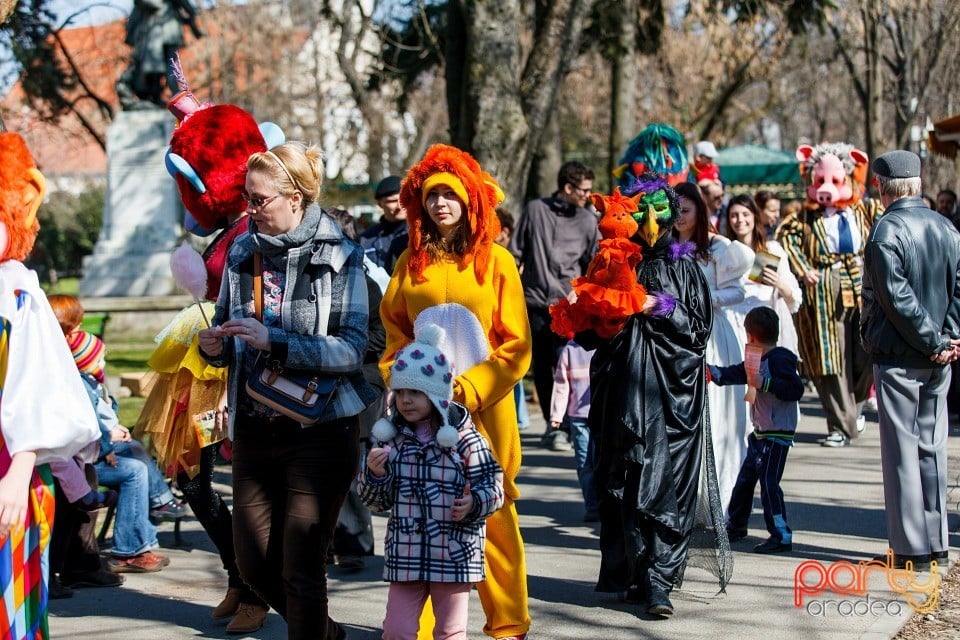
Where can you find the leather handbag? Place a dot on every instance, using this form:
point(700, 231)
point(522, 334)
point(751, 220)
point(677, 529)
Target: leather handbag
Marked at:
point(298, 394)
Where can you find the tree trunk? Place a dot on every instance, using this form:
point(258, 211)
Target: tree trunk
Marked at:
point(546, 163)
point(502, 116)
point(873, 115)
point(623, 87)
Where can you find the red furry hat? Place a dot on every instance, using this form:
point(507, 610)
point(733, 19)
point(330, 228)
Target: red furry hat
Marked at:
point(208, 154)
point(216, 142)
point(21, 191)
point(480, 214)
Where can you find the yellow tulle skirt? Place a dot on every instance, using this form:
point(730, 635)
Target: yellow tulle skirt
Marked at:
point(178, 417)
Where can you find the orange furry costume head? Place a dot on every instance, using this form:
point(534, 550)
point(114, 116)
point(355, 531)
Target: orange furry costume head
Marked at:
point(479, 212)
point(609, 290)
point(21, 191)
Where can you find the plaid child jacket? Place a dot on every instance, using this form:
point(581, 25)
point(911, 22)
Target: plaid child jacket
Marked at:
point(423, 543)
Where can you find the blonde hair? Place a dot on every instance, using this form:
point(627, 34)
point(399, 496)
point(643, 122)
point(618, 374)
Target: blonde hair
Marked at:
point(293, 166)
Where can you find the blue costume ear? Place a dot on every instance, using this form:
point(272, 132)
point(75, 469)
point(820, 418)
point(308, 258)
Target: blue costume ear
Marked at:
point(272, 134)
point(192, 226)
point(176, 164)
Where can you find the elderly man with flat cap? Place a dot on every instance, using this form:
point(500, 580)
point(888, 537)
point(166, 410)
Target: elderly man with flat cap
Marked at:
point(385, 241)
point(910, 326)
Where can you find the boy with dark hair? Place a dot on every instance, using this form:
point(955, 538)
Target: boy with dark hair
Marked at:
point(775, 414)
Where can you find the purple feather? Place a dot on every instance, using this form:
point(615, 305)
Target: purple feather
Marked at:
point(663, 305)
point(638, 185)
point(677, 250)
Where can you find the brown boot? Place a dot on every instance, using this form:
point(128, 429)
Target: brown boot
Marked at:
point(229, 605)
point(249, 618)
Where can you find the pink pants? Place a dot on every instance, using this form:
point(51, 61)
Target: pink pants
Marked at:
point(405, 601)
point(73, 480)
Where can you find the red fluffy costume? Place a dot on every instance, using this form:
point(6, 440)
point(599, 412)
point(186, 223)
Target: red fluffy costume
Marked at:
point(609, 292)
point(215, 141)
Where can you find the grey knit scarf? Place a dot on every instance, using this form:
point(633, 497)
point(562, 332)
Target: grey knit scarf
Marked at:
point(279, 245)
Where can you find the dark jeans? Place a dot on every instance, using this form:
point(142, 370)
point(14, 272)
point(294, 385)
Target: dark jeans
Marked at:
point(764, 464)
point(545, 350)
point(214, 516)
point(289, 483)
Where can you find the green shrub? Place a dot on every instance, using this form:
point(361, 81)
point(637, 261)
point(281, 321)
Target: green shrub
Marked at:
point(69, 226)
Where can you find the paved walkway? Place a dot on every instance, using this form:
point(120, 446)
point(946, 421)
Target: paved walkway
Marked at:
point(835, 503)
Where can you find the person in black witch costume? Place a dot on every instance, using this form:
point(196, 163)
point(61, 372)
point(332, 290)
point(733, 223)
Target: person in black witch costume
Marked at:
point(648, 388)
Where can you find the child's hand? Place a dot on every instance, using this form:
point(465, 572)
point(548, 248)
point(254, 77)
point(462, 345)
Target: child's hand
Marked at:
point(462, 505)
point(377, 461)
point(120, 434)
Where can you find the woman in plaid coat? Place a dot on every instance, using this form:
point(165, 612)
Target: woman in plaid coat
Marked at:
point(436, 475)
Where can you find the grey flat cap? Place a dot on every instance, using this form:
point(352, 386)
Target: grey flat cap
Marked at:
point(897, 164)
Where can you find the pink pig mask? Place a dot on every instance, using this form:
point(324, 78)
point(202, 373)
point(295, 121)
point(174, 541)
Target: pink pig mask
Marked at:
point(830, 178)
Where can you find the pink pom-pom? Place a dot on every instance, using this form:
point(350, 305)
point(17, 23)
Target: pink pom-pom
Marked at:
point(189, 271)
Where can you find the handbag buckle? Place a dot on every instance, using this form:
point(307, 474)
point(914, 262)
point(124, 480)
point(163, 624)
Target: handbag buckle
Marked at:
point(275, 371)
point(310, 390)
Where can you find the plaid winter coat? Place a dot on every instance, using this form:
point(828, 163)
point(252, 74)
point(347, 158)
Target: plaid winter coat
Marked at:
point(324, 316)
point(423, 543)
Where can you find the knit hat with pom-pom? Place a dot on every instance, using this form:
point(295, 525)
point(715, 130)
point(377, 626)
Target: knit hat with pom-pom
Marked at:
point(421, 366)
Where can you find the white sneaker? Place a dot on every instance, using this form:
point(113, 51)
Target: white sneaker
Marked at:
point(861, 424)
point(870, 404)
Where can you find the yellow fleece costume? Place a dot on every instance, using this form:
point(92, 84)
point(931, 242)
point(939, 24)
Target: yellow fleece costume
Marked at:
point(485, 281)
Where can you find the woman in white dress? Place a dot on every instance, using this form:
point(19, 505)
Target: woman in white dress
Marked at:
point(724, 263)
point(778, 287)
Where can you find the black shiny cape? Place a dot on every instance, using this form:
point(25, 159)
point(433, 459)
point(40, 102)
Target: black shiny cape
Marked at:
point(648, 395)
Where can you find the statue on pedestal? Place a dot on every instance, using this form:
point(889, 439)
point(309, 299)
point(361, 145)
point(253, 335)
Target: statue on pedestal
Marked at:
point(155, 31)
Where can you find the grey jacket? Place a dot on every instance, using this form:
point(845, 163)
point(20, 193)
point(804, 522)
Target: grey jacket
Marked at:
point(555, 241)
point(911, 286)
point(323, 316)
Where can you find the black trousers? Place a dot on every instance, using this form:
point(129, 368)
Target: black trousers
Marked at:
point(214, 516)
point(73, 543)
point(289, 483)
point(545, 350)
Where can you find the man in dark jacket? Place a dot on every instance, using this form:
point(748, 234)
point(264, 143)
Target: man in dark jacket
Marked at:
point(910, 325)
point(554, 242)
point(385, 241)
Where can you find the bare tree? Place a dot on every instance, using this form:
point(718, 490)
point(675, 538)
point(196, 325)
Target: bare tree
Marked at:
point(499, 102)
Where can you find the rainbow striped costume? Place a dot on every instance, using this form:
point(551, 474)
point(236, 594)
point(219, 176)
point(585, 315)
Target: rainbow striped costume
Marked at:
point(24, 556)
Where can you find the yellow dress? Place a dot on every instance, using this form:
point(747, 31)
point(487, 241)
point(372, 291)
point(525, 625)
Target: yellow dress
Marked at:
point(185, 393)
point(486, 390)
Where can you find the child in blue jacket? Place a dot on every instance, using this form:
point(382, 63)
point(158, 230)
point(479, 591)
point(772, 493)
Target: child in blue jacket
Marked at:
point(775, 414)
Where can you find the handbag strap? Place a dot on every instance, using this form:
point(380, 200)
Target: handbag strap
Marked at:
point(258, 286)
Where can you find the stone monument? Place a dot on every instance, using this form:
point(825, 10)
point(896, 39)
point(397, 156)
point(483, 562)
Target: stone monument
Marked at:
point(142, 212)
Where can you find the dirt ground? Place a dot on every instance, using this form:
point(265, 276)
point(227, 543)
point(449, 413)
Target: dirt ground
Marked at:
point(944, 622)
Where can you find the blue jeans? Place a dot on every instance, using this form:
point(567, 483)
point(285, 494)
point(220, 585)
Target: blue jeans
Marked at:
point(583, 453)
point(133, 533)
point(520, 400)
point(159, 490)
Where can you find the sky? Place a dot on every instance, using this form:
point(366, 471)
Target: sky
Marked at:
point(90, 12)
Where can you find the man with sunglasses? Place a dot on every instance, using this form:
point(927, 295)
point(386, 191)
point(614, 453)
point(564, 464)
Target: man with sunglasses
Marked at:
point(553, 243)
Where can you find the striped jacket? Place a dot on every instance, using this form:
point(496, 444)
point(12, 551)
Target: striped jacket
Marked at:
point(804, 238)
point(423, 543)
point(323, 316)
